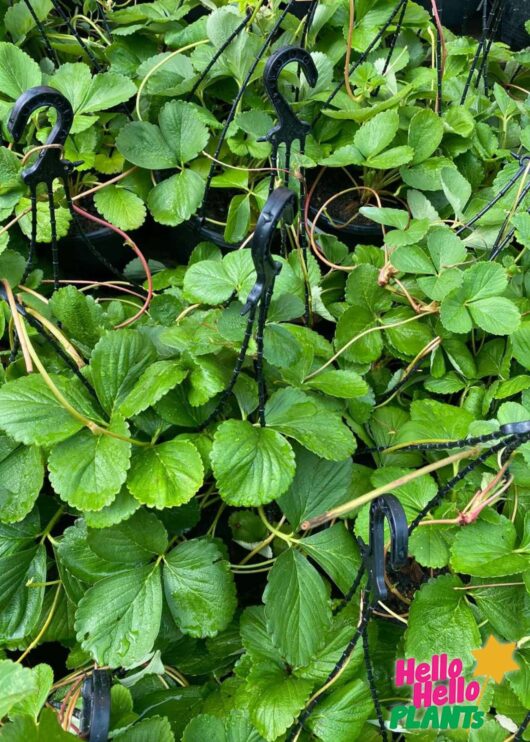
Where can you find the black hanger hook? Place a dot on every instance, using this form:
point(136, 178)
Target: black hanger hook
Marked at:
point(281, 204)
point(290, 127)
point(95, 718)
point(49, 163)
point(389, 507)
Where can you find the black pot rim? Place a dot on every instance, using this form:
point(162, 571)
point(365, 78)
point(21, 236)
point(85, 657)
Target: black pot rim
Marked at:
point(350, 230)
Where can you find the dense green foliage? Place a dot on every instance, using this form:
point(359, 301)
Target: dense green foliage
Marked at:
point(177, 554)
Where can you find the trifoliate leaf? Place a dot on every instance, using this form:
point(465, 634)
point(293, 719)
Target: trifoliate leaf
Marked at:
point(252, 465)
point(199, 588)
point(297, 607)
point(178, 138)
point(165, 475)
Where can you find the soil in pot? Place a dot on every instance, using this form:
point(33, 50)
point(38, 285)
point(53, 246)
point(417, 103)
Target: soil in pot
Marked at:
point(76, 259)
point(457, 15)
point(343, 219)
point(513, 31)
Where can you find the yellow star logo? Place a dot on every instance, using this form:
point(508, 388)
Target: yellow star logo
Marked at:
point(495, 659)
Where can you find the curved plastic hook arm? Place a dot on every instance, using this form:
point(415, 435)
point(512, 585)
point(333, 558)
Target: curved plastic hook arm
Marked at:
point(281, 204)
point(48, 164)
point(389, 507)
point(290, 127)
point(95, 718)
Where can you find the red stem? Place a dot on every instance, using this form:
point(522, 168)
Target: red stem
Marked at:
point(136, 250)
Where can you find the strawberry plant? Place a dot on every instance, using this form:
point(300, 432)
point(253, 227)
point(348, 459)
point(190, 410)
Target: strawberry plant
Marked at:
point(186, 499)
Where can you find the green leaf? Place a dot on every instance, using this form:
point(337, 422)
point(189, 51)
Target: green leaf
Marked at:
point(18, 71)
point(21, 604)
point(81, 317)
point(506, 608)
point(89, 94)
point(352, 323)
point(47, 730)
point(398, 218)
point(179, 138)
point(30, 413)
point(208, 282)
point(166, 475)
point(309, 421)
point(336, 551)
point(252, 465)
point(21, 479)
point(117, 361)
point(33, 701)
point(120, 207)
point(123, 633)
point(174, 200)
point(44, 233)
point(275, 699)
point(238, 218)
point(135, 541)
point(477, 301)
point(318, 485)
point(16, 682)
point(487, 548)
point(425, 134)
point(496, 315)
point(19, 21)
point(297, 607)
point(441, 622)
point(89, 469)
point(375, 135)
point(341, 715)
point(339, 383)
point(391, 158)
point(78, 558)
point(122, 507)
point(155, 382)
point(199, 588)
point(456, 188)
point(146, 730)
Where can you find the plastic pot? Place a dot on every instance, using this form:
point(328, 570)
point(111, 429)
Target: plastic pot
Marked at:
point(454, 14)
point(75, 257)
point(351, 234)
point(513, 31)
point(300, 8)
